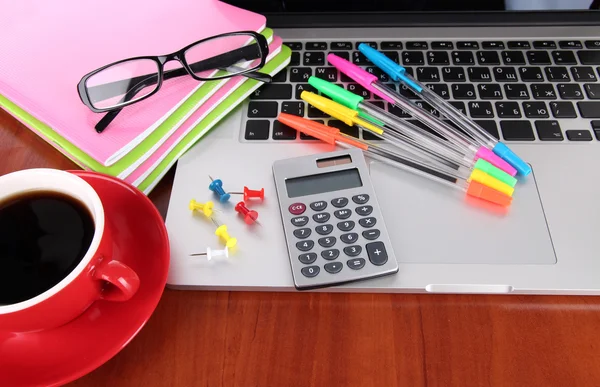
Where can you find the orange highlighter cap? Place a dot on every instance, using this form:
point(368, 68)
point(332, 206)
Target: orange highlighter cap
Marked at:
point(484, 192)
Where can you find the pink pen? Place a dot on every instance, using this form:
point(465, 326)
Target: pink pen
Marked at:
point(466, 145)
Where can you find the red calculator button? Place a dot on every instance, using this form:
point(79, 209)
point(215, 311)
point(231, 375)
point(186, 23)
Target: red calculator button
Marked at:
point(297, 208)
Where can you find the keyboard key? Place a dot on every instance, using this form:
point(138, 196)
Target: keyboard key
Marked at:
point(531, 74)
point(300, 87)
point(333, 267)
point(356, 263)
point(416, 45)
point(327, 241)
point(505, 74)
point(442, 45)
point(463, 91)
point(262, 109)
point(535, 110)
point(391, 45)
point(543, 91)
point(427, 107)
point(257, 130)
point(383, 77)
point(563, 109)
point(273, 91)
point(490, 127)
point(280, 77)
point(318, 205)
point(339, 202)
point(572, 44)
point(408, 93)
point(467, 45)
point(544, 44)
point(377, 253)
point(295, 108)
point(557, 74)
point(316, 46)
point(513, 57)
point(367, 222)
point(479, 74)
point(349, 130)
point(494, 45)
point(453, 74)
point(349, 238)
point(549, 131)
point(462, 58)
point(329, 74)
point(437, 58)
point(569, 91)
point(341, 46)
point(330, 254)
point(583, 74)
point(564, 57)
point(460, 106)
point(516, 91)
point(299, 221)
point(359, 59)
point(342, 54)
point(589, 57)
point(595, 126)
point(313, 112)
point(346, 226)
point(593, 44)
point(521, 44)
point(300, 74)
point(538, 57)
point(428, 74)
point(359, 90)
point(294, 46)
point(372, 44)
point(307, 258)
point(513, 130)
point(488, 58)
point(440, 89)
point(398, 112)
point(393, 55)
point(364, 210)
point(305, 245)
point(321, 217)
point(325, 229)
point(295, 59)
point(302, 233)
point(492, 91)
point(508, 110)
point(592, 90)
point(589, 109)
point(313, 58)
point(371, 234)
point(283, 132)
point(579, 135)
point(412, 57)
point(481, 109)
point(310, 271)
point(352, 251)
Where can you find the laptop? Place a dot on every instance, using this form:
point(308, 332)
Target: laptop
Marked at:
point(527, 71)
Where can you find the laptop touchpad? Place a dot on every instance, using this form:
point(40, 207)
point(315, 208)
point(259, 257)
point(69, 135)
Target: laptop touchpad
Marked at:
point(431, 223)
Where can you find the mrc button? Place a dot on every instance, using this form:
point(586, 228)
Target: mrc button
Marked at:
point(297, 208)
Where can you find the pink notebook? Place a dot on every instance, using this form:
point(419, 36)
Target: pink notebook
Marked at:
point(47, 46)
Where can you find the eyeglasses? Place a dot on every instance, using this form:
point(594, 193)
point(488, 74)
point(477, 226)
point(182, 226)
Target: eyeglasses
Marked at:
point(128, 81)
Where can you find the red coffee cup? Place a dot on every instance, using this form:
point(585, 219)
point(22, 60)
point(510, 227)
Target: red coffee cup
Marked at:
point(98, 276)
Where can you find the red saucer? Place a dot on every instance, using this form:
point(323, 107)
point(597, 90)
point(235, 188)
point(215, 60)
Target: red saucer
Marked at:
point(61, 355)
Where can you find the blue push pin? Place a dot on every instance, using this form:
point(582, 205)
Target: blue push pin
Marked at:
point(217, 187)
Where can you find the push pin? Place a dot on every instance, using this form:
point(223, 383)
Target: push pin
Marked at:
point(250, 216)
point(222, 233)
point(210, 254)
point(205, 208)
point(217, 187)
point(251, 194)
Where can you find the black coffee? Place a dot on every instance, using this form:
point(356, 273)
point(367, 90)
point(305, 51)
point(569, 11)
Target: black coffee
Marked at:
point(43, 236)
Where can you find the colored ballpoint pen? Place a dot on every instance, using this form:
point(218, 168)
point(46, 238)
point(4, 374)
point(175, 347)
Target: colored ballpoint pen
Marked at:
point(333, 136)
point(350, 117)
point(412, 134)
point(398, 73)
point(467, 144)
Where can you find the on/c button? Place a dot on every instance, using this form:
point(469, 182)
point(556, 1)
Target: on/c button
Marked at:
point(297, 208)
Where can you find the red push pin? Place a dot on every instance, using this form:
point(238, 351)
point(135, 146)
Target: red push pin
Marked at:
point(251, 193)
point(250, 216)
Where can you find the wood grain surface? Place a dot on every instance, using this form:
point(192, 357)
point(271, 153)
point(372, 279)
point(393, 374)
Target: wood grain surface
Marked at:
point(319, 339)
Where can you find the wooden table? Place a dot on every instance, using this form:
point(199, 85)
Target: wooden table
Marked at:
point(319, 339)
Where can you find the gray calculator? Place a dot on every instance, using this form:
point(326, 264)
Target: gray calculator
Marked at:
point(333, 225)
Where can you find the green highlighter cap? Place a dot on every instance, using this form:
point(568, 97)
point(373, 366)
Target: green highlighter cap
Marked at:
point(495, 172)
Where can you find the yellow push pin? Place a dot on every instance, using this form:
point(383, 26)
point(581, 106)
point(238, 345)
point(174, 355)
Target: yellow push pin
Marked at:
point(222, 233)
point(205, 208)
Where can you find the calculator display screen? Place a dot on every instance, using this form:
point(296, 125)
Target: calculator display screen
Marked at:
point(323, 182)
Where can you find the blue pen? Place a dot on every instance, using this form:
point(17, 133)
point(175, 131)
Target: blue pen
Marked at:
point(399, 74)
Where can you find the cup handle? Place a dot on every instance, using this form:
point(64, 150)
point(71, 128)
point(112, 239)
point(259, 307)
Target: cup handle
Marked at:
point(125, 282)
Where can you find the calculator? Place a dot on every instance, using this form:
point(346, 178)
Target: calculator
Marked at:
point(332, 222)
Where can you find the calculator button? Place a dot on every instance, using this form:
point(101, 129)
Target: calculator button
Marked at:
point(346, 226)
point(349, 238)
point(352, 251)
point(310, 271)
point(325, 229)
point(356, 263)
point(339, 202)
point(307, 258)
point(367, 222)
point(360, 199)
point(321, 217)
point(327, 242)
point(377, 254)
point(364, 210)
point(342, 214)
point(297, 208)
point(331, 254)
point(302, 233)
point(300, 221)
point(319, 206)
point(371, 234)
point(305, 245)
point(333, 267)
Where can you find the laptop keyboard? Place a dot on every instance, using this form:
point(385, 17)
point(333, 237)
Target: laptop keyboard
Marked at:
point(527, 90)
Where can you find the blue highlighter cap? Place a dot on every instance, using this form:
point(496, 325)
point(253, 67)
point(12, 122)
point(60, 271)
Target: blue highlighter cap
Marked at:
point(391, 68)
point(510, 157)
